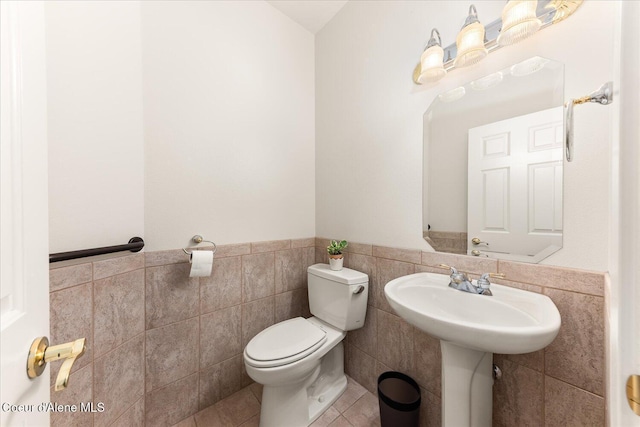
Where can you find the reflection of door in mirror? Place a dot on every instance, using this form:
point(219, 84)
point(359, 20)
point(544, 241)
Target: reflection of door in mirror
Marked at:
point(448, 191)
point(515, 186)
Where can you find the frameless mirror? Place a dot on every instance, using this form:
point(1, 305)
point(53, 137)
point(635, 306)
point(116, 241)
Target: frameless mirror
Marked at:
point(493, 164)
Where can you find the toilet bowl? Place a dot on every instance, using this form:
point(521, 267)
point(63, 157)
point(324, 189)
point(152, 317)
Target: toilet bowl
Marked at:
point(300, 361)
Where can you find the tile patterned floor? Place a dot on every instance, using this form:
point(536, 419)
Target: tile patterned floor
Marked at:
point(357, 407)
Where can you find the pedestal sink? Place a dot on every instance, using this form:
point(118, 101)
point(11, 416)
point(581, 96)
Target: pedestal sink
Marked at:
point(471, 328)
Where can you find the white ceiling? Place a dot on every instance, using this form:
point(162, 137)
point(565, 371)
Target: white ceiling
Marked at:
point(311, 14)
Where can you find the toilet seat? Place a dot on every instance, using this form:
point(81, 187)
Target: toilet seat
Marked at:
point(283, 343)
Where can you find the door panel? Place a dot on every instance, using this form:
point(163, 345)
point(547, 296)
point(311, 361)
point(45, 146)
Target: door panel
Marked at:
point(24, 293)
point(515, 183)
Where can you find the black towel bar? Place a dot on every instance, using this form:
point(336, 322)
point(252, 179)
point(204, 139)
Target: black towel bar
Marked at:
point(135, 245)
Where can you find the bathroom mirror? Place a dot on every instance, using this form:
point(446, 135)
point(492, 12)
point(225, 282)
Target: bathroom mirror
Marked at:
point(493, 164)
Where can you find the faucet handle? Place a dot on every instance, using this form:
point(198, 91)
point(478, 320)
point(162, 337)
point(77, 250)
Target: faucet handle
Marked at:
point(456, 276)
point(448, 267)
point(484, 282)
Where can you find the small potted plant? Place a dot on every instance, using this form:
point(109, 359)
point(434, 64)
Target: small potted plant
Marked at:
point(336, 258)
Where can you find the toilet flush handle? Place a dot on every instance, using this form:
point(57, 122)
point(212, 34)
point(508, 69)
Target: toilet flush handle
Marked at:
point(359, 290)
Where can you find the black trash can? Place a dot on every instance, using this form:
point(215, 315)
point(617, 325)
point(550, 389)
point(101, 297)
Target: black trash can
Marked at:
point(399, 399)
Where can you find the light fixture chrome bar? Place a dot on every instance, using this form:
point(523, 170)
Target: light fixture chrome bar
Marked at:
point(603, 96)
point(548, 11)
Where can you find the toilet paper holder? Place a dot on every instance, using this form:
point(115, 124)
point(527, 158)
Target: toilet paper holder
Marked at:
point(197, 239)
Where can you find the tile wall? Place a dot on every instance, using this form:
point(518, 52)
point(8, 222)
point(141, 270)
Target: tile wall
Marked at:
point(161, 346)
point(560, 385)
point(453, 242)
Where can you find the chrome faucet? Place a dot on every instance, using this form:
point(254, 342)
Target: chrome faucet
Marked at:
point(461, 281)
point(484, 284)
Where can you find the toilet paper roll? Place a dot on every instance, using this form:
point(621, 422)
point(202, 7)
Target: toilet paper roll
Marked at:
point(201, 263)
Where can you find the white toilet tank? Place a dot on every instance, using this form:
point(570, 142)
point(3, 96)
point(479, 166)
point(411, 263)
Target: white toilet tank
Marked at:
point(338, 297)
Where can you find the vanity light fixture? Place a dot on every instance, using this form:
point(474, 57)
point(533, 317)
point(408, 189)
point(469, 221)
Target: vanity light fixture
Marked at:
point(432, 60)
point(519, 21)
point(520, 18)
point(470, 41)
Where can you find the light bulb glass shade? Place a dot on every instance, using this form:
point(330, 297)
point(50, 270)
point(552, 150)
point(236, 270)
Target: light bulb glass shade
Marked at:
point(487, 82)
point(470, 44)
point(528, 66)
point(432, 65)
point(519, 21)
point(453, 94)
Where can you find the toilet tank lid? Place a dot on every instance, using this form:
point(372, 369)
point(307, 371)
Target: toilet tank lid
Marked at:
point(346, 275)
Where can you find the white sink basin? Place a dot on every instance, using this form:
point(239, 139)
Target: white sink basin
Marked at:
point(511, 321)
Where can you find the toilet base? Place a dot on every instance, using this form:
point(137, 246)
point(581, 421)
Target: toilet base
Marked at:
point(318, 405)
point(298, 405)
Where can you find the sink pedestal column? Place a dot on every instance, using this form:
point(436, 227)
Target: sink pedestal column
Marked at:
point(467, 386)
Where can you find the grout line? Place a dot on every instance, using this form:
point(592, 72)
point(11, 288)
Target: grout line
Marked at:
point(198, 342)
point(125, 411)
point(242, 279)
point(93, 345)
point(147, 329)
point(576, 387)
point(544, 388)
point(120, 274)
point(144, 344)
point(273, 283)
point(565, 290)
point(109, 353)
point(71, 287)
point(126, 269)
point(275, 268)
point(165, 386)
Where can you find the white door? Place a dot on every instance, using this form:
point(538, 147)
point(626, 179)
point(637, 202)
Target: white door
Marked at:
point(623, 311)
point(515, 184)
point(24, 271)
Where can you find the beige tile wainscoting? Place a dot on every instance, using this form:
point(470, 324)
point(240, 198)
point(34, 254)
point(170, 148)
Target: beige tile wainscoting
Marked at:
point(564, 384)
point(162, 347)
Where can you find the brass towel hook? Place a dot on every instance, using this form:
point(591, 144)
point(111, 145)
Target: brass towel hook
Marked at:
point(41, 353)
point(603, 96)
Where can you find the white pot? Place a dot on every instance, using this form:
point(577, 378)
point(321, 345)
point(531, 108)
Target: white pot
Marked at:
point(336, 263)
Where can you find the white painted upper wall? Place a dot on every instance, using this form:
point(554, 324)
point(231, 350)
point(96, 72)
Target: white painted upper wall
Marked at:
point(226, 145)
point(369, 119)
point(229, 123)
point(94, 102)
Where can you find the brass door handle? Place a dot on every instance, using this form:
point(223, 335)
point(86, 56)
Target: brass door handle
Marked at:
point(476, 252)
point(41, 352)
point(477, 241)
point(633, 393)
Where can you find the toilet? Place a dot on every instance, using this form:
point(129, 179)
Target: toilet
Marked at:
point(300, 361)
